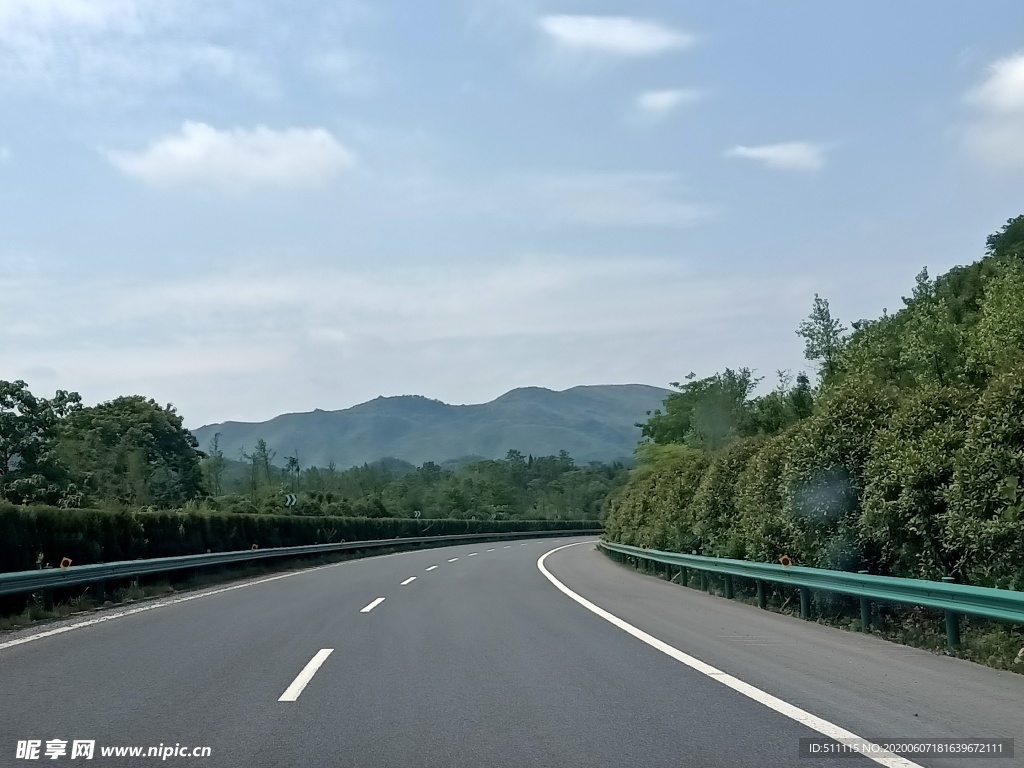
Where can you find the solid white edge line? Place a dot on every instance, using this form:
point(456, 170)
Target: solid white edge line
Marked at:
point(160, 603)
point(372, 605)
point(292, 692)
point(410, 580)
point(431, 567)
point(815, 723)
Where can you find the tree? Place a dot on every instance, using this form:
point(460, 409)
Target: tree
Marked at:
point(293, 470)
point(213, 467)
point(785, 405)
point(823, 337)
point(30, 466)
point(1008, 241)
point(133, 451)
point(705, 412)
point(801, 398)
point(263, 459)
point(997, 339)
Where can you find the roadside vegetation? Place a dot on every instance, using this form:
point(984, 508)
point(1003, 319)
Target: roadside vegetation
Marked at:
point(905, 457)
point(134, 454)
point(124, 480)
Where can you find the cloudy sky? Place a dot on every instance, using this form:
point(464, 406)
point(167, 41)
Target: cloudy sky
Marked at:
point(250, 208)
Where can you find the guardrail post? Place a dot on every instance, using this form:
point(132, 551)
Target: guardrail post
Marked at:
point(865, 612)
point(684, 577)
point(952, 622)
point(705, 582)
point(48, 599)
point(101, 591)
point(728, 586)
point(805, 603)
point(762, 600)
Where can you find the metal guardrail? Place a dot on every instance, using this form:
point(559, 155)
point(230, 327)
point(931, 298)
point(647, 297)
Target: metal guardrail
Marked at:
point(954, 599)
point(21, 582)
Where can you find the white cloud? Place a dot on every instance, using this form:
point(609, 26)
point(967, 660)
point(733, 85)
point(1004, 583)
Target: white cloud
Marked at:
point(661, 103)
point(84, 50)
point(237, 159)
point(787, 156)
point(617, 35)
point(1003, 90)
point(599, 199)
point(995, 135)
point(23, 18)
point(593, 199)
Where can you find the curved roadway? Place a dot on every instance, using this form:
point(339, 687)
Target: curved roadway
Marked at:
point(477, 655)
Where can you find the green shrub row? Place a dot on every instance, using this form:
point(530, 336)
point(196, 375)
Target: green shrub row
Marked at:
point(33, 536)
point(921, 484)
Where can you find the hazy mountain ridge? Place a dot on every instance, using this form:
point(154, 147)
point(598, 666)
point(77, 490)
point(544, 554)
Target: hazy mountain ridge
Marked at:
point(592, 423)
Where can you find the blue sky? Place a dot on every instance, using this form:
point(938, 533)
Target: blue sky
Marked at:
point(247, 209)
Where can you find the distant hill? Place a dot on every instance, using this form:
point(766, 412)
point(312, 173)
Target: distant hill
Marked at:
point(593, 423)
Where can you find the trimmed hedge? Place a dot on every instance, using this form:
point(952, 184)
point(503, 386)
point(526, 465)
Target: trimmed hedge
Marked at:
point(95, 536)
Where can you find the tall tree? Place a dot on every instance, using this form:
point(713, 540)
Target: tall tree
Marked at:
point(823, 337)
point(705, 412)
point(1008, 241)
point(213, 467)
point(293, 469)
point(30, 466)
point(133, 451)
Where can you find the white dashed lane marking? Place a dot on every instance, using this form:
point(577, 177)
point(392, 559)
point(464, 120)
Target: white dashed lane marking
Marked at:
point(372, 605)
point(299, 683)
point(410, 580)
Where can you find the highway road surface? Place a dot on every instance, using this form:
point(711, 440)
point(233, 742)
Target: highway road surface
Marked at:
point(538, 652)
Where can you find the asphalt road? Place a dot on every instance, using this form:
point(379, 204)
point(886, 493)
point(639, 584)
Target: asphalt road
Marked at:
point(481, 661)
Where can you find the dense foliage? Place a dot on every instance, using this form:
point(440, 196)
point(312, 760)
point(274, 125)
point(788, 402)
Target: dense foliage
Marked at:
point(37, 536)
point(132, 453)
point(516, 487)
point(907, 458)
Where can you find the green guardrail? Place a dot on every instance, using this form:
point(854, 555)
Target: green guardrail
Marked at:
point(49, 579)
point(955, 599)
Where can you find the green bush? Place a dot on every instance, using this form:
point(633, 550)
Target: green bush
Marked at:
point(985, 521)
point(762, 523)
point(823, 472)
point(653, 510)
point(908, 472)
point(713, 507)
point(94, 536)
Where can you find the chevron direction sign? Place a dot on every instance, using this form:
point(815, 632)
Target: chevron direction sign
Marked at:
point(289, 500)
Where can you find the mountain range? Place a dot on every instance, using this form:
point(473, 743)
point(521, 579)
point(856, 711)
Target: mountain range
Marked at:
point(591, 423)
